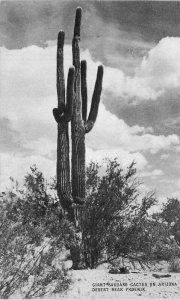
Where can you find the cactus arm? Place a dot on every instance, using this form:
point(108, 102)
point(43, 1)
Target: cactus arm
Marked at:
point(61, 114)
point(77, 25)
point(64, 114)
point(60, 84)
point(70, 95)
point(63, 175)
point(95, 101)
point(57, 114)
point(60, 71)
point(84, 89)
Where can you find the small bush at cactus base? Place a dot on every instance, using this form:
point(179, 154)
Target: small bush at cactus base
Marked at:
point(174, 265)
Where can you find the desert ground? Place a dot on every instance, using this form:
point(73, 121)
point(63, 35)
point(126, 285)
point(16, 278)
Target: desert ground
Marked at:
point(99, 284)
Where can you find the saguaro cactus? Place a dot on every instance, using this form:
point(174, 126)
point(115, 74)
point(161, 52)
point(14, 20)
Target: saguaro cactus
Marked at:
point(74, 110)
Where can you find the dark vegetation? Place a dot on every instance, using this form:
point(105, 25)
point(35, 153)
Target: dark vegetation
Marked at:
point(33, 233)
point(116, 223)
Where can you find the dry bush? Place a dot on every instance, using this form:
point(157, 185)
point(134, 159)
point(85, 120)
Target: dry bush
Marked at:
point(33, 235)
point(174, 265)
point(27, 268)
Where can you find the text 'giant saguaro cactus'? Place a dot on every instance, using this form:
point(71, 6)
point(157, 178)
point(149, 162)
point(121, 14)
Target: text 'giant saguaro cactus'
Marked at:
point(73, 110)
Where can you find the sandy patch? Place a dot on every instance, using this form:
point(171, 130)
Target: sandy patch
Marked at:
point(98, 284)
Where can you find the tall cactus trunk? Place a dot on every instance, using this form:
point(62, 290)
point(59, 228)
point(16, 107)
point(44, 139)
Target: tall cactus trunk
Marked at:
point(74, 109)
point(77, 128)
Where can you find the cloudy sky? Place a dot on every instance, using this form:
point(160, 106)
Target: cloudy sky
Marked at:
point(139, 117)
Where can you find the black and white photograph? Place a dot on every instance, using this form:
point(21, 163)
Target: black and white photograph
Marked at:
point(89, 149)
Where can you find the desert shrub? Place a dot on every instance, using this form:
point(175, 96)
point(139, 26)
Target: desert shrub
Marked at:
point(171, 214)
point(117, 220)
point(33, 234)
point(114, 218)
point(159, 244)
point(29, 269)
point(174, 265)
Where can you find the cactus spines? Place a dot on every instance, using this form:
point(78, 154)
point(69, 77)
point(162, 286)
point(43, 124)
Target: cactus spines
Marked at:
point(73, 110)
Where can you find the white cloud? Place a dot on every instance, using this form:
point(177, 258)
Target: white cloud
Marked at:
point(110, 132)
point(124, 157)
point(16, 166)
point(126, 87)
point(165, 156)
point(30, 74)
point(153, 174)
point(158, 72)
point(28, 94)
point(161, 68)
point(42, 146)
